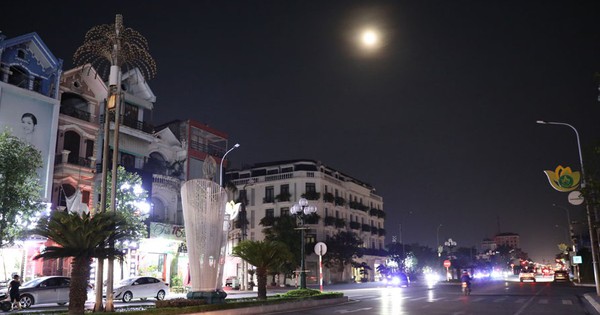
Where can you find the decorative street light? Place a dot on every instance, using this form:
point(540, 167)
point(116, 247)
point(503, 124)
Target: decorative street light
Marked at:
point(237, 145)
point(437, 238)
point(302, 209)
point(593, 238)
point(109, 48)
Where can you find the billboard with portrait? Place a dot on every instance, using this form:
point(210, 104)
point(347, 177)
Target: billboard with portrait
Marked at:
point(33, 118)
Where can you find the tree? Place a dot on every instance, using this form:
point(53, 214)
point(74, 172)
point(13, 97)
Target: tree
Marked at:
point(82, 237)
point(130, 201)
point(285, 229)
point(342, 249)
point(19, 187)
point(265, 256)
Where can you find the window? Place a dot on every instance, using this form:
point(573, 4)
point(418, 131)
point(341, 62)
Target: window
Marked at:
point(310, 187)
point(269, 213)
point(285, 211)
point(269, 194)
point(252, 219)
point(285, 189)
point(89, 148)
point(21, 53)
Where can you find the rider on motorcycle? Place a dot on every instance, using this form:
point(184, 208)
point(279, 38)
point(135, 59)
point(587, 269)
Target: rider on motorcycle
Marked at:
point(466, 278)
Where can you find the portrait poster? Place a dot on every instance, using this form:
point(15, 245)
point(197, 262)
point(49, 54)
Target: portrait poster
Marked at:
point(33, 118)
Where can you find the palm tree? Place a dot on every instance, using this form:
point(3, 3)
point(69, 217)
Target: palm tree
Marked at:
point(82, 237)
point(265, 256)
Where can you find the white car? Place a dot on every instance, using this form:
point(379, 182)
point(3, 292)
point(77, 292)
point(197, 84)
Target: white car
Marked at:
point(53, 289)
point(140, 287)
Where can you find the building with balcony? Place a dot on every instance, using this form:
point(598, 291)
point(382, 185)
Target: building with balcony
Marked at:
point(29, 109)
point(343, 203)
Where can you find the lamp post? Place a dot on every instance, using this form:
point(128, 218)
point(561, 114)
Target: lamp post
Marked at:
point(593, 238)
point(564, 229)
point(243, 226)
point(237, 145)
point(302, 209)
point(569, 226)
point(437, 238)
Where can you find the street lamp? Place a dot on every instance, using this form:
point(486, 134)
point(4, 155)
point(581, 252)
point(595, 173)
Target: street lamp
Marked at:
point(437, 238)
point(302, 209)
point(237, 145)
point(593, 239)
point(563, 228)
point(569, 226)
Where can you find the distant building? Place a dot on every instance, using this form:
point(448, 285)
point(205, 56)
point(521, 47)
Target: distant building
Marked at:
point(343, 203)
point(507, 239)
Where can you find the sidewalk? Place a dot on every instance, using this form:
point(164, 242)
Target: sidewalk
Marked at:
point(591, 298)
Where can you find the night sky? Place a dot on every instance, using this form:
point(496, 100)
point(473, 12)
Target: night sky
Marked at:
point(440, 119)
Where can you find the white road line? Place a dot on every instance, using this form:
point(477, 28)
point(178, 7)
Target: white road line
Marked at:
point(520, 300)
point(522, 308)
point(567, 302)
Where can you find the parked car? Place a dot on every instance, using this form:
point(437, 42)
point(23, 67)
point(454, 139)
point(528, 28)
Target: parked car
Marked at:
point(140, 287)
point(527, 274)
point(52, 289)
point(561, 275)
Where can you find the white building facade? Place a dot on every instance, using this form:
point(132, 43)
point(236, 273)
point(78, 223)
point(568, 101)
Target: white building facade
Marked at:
point(343, 204)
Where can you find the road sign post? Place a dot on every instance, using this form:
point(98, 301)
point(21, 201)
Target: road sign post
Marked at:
point(320, 249)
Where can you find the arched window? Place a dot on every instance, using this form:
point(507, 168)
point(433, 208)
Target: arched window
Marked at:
point(75, 106)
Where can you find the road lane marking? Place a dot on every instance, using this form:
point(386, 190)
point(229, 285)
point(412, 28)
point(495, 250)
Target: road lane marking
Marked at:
point(522, 308)
point(567, 302)
point(352, 311)
point(520, 300)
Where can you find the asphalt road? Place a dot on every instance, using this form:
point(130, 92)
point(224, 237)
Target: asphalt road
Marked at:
point(487, 297)
point(502, 297)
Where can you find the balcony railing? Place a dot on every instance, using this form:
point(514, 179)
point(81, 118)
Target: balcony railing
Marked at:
point(132, 123)
point(81, 161)
point(77, 113)
point(207, 148)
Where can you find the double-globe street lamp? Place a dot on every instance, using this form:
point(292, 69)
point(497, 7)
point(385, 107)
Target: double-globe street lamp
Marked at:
point(593, 238)
point(302, 209)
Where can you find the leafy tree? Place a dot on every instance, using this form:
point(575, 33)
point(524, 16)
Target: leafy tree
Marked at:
point(285, 229)
point(82, 237)
point(19, 187)
point(265, 256)
point(342, 249)
point(131, 201)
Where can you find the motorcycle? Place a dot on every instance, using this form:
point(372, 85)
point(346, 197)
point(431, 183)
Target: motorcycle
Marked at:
point(5, 304)
point(466, 288)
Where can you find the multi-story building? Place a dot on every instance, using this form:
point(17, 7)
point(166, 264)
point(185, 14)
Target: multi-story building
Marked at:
point(29, 109)
point(507, 239)
point(343, 203)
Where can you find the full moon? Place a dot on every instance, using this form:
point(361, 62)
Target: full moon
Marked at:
point(369, 38)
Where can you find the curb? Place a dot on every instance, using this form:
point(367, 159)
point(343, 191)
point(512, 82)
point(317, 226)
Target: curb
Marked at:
point(276, 307)
point(592, 301)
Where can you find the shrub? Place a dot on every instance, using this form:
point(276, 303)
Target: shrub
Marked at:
point(179, 303)
point(301, 293)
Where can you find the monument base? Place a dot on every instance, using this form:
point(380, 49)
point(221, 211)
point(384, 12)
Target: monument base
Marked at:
point(211, 297)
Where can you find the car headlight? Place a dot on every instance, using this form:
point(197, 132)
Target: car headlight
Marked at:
point(396, 280)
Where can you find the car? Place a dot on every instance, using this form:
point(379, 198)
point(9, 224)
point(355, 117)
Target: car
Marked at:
point(526, 274)
point(397, 279)
point(140, 287)
point(50, 289)
point(561, 275)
